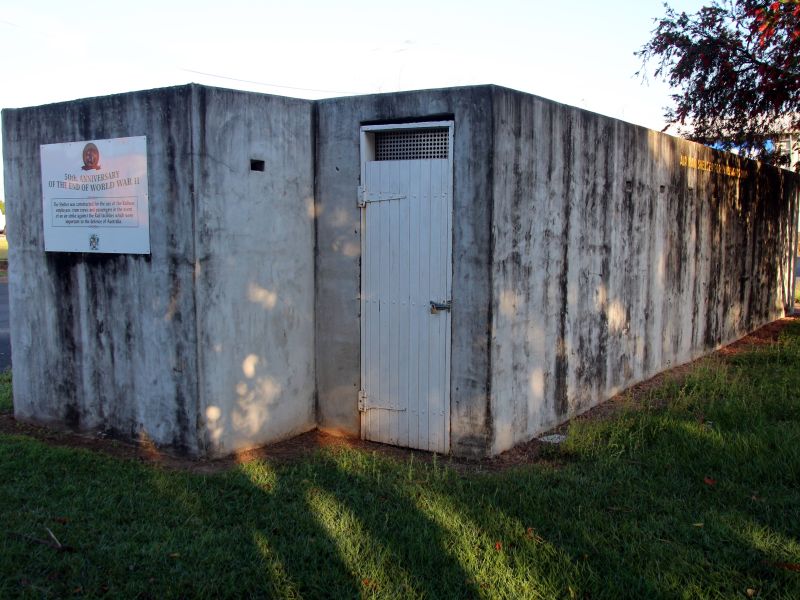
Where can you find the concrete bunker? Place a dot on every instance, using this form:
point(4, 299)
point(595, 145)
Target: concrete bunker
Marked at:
point(454, 270)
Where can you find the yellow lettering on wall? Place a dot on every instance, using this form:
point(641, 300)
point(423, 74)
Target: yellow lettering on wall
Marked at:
point(692, 162)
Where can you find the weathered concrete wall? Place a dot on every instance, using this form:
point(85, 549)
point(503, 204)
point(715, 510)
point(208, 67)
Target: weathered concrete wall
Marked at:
point(206, 345)
point(106, 342)
point(338, 253)
point(586, 257)
point(611, 261)
point(254, 240)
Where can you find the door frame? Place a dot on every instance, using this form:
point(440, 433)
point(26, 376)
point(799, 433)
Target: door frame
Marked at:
point(367, 153)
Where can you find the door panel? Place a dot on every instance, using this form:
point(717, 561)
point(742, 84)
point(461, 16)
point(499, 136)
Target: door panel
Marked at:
point(406, 263)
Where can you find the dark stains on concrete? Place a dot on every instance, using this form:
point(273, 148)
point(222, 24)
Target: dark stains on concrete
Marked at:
point(698, 248)
point(183, 432)
point(649, 258)
point(562, 358)
point(685, 259)
point(677, 268)
point(93, 360)
point(488, 428)
point(608, 172)
point(513, 268)
point(600, 223)
point(712, 333)
point(594, 179)
point(623, 288)
point(72, 416)
point(68, 363)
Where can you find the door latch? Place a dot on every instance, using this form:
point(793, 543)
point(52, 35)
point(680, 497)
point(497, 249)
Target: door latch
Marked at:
point(436, 307)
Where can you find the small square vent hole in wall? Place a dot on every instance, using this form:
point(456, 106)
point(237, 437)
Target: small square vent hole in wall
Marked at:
point(412, 144)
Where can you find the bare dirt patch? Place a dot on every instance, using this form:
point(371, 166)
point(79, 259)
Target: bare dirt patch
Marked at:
point(307, 444)
point(766, 335)
point(297, 447)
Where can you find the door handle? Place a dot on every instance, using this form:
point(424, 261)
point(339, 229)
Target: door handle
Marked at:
point(439, 306)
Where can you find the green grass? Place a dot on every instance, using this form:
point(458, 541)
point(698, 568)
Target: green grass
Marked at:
point(5, 390)
point(698, 499)
point(3, 248)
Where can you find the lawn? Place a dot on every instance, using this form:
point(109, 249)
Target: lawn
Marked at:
point(693, 493)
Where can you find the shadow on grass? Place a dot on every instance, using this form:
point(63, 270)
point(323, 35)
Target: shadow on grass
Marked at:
point(629, 528)
point(349, 524)
point(700, 499)
point(339, 526)
point(323, 528)
point(677, 505)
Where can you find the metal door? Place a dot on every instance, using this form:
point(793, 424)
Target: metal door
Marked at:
point(406, 278)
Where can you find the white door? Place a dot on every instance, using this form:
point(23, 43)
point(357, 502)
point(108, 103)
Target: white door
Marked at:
point(406, 196)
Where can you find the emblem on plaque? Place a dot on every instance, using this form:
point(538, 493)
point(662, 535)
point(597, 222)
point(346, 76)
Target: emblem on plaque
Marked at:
point(94, 241)
point(91, 157)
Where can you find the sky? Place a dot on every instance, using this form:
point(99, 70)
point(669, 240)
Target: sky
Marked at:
point(579, 52)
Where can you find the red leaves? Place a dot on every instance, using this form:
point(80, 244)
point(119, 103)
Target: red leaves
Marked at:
point(736, 68)
point(498, 546)
point(370, 584)
point(779, 16)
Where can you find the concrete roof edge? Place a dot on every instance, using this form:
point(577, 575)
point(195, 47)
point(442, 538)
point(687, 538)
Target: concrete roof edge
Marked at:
point(186, 86)
point(170, 88)
point(216, 88)
point(461, 88)
point(488, 87)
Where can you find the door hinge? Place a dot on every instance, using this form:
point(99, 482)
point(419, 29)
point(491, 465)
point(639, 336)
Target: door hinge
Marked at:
point(364, 197)
point(363, 406)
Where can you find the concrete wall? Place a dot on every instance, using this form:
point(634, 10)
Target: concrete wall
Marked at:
point(254, 238)
point(586, 257)
point(106, 342)
point(612, 262)
point(207, 344)
point(338, 253)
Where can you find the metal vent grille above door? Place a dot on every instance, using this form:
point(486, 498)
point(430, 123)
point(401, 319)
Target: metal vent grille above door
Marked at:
point(412, 144)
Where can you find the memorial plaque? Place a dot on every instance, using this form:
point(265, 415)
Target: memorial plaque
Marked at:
point(95, 196)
